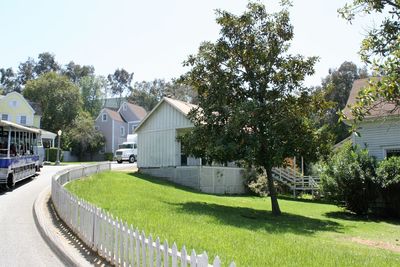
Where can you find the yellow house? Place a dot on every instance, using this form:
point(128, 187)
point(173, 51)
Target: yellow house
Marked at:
point(15, 108)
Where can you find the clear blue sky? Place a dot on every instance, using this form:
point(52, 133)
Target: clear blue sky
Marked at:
point(152, 38)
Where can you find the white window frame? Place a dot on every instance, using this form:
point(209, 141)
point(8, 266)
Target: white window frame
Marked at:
point(20, 119)
point(104, 117)
point(122, 131)
point(3, 115)
point(385, 149)
point(13, 103)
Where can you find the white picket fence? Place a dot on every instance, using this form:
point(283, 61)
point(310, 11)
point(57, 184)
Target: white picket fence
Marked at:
point(121, 244)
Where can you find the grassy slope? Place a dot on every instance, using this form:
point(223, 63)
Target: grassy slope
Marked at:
point(242, 228)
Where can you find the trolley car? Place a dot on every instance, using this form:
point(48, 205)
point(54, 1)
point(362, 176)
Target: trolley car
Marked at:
point(19, 157)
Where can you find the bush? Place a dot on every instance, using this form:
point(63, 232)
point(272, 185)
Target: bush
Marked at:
point(388, 176)
point(255, 182)
point(348, 177)
point(51, 154)
point(109, 156)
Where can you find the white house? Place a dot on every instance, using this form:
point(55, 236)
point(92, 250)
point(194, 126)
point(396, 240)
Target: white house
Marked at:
point(160, 154)
point(379, 132)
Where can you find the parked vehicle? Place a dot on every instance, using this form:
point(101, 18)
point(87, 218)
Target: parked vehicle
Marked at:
point(127, 151)
point(19, 152)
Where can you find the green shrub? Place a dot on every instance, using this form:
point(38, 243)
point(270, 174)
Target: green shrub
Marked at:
point(388, 176)
point(51, 154)
point(109, 156)
point(255, 182)
point(348, 177)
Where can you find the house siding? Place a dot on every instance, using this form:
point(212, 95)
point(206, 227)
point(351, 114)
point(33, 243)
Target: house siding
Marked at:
point(157, 145)
point(22, 109)
point(378, 135)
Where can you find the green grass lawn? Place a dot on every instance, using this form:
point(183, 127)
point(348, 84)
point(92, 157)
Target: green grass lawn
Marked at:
point(241, 228)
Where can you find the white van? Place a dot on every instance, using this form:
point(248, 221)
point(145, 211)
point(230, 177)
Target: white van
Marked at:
point(127, 151)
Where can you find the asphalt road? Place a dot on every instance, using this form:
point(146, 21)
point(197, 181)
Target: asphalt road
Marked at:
point(20, 241)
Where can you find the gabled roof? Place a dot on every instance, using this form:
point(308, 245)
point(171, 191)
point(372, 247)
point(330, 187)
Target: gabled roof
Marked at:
point(23, 99)
point(36, 107)
point(114, 115)
point(139, 111)
point(181, 106)
point(382, 109)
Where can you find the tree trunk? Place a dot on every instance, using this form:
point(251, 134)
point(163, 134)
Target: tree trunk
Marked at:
point(272, 192)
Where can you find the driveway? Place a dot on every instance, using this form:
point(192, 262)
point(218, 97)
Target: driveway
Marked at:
point(20, 241)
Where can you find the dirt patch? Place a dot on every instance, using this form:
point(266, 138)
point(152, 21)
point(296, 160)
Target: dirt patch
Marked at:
point(376, 244)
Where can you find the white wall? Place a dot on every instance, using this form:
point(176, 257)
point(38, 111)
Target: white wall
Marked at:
point(157, 145)
point(377, 136)
point(212, 180)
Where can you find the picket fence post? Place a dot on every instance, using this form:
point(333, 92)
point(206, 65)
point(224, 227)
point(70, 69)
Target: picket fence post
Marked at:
point(112, 238)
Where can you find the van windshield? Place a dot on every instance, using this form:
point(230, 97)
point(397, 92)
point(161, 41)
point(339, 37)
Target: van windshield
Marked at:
point(125, 146)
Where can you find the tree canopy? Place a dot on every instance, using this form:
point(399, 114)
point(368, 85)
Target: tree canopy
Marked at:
point(381, 50)
point(59, 98)
point(336, 87)
point(253, 107)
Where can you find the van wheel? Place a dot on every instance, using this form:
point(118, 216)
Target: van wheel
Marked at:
point(119, 161)
point(131, 159)
point(10, 181)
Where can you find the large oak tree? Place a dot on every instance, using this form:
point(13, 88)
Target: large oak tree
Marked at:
point(253, 107)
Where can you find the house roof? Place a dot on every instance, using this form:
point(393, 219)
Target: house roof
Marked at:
point(382, 109)
point(137, 110)
point(113, 114)
point(181, 106)
point(36, 107)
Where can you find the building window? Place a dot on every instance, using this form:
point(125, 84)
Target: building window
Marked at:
point(122, 130)
point(393, 152)
point(104, 117)
point(22, 120)
point(13, 103)
point(4, 117)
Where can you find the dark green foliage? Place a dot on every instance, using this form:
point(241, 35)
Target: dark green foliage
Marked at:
point(348, 177)
point(83, 137)
point(336, 88)
point(59, 98)
point(380, 50)
point(388, 175)
point(8, 81)
point(76, 72)
point(255, 182)
point(148, 94)
point(120, 82)
point(109, 156)
point(51, 154)
point(253, 106)
point(92, 89)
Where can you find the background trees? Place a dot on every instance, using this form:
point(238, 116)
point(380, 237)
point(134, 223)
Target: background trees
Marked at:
point(147, 94)
point(252, 103)
point(59, 98)
point(336, 87)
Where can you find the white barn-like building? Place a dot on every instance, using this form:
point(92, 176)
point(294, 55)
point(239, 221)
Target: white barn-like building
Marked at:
point(160, 154)
point(379, 132)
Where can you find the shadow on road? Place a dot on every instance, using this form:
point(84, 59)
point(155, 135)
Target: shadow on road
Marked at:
point(91, 257)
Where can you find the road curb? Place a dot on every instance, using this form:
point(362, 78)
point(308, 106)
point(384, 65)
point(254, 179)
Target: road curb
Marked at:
point(48, 231)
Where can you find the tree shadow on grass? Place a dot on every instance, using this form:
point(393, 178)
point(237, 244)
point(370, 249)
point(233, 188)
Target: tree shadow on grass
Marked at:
point(348, 216)
point(253, 219)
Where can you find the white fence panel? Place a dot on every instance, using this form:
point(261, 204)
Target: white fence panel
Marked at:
point(113, 239)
